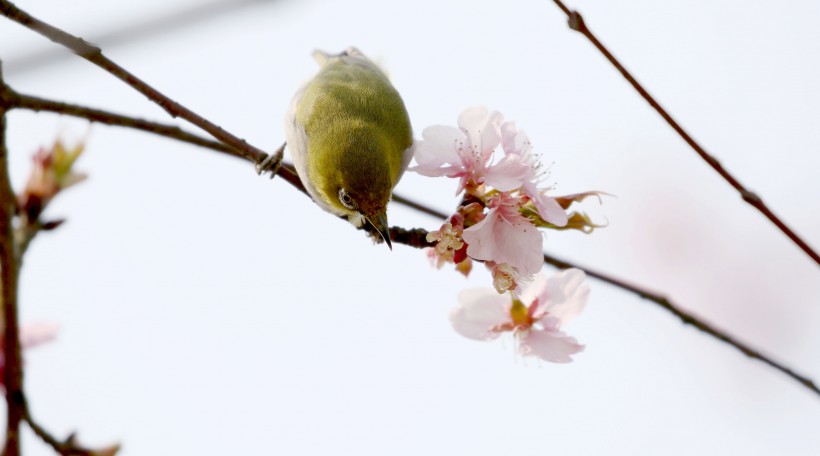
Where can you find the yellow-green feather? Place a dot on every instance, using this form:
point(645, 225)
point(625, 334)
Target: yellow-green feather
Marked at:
point(357, 129)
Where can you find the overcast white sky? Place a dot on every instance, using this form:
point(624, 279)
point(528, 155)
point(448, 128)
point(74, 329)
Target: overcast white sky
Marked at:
point(204, 310)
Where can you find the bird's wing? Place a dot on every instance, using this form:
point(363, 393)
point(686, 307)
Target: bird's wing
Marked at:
point(405, 160)
point(297, 140)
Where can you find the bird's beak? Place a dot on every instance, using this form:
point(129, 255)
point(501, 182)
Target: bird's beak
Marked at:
point(379, 222)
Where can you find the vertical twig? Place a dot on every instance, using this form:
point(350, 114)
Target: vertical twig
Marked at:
point(13, 372)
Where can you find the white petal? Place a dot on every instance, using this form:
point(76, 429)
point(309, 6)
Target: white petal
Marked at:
point(473, 119)
point(552, 346)
point(438, 147)
point(479, 311)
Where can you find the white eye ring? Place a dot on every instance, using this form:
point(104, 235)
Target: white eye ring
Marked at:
point(346, 200)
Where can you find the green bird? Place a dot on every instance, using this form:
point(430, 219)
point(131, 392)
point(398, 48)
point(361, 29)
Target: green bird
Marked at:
point(350, 138)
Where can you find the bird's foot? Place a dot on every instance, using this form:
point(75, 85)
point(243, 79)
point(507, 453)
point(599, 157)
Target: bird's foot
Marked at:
point(271, 163)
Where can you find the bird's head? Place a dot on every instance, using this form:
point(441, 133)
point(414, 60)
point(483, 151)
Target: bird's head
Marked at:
point(363, 199)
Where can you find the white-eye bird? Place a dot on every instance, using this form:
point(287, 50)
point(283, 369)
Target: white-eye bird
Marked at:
point(350, 138)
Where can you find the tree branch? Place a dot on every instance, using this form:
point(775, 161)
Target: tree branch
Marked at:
point(576, 22)
point(414, 237)
point(109, 118)
point(662, 301)
point(94, 55)
point(17, 100)
point(13, 372)
point(69, 446)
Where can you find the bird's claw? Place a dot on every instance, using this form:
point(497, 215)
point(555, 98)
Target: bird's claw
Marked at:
point(270, 163)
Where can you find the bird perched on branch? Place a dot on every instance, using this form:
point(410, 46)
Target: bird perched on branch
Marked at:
point(350, 138)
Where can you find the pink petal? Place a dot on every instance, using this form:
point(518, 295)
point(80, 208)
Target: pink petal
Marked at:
point(33, 334)
point(507, 175)
point(552, 346)
point(550, 210)
point(491, 134)
point(514, 141)
point(482, 129)
point(505, 236)
point(479, 311)
point(563, 295)
point(534, 289)
point(436, 171)
point(473, 118)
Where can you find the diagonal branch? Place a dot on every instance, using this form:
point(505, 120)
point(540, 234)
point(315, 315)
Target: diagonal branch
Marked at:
point(689, 319)
point(37, 104)
point(576, 22)
point(109, 118)
point(67, 447)
point(94, 55)
point(662, 301)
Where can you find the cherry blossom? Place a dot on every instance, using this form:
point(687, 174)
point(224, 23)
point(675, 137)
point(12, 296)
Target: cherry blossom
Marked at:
point(466, 152)
point(497, 223)
point(506, 236)
point(535, 316)
point(516, 144)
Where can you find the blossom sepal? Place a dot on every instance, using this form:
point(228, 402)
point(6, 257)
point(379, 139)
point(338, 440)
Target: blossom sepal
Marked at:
point(578, 221)
point(567, 200)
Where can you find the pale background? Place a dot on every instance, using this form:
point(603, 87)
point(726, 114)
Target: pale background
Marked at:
point(204, 310)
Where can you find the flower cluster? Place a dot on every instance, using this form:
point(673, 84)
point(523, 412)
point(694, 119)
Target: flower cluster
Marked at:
point(504, 202)
point(503, 206)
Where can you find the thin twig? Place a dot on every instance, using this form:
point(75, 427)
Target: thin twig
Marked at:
point(22, 101)
point(109, 118)
point(13, 371)
point(68, 447)
point(414, 238)
point(689, 319)
point(576, 22)
point(94, 55)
